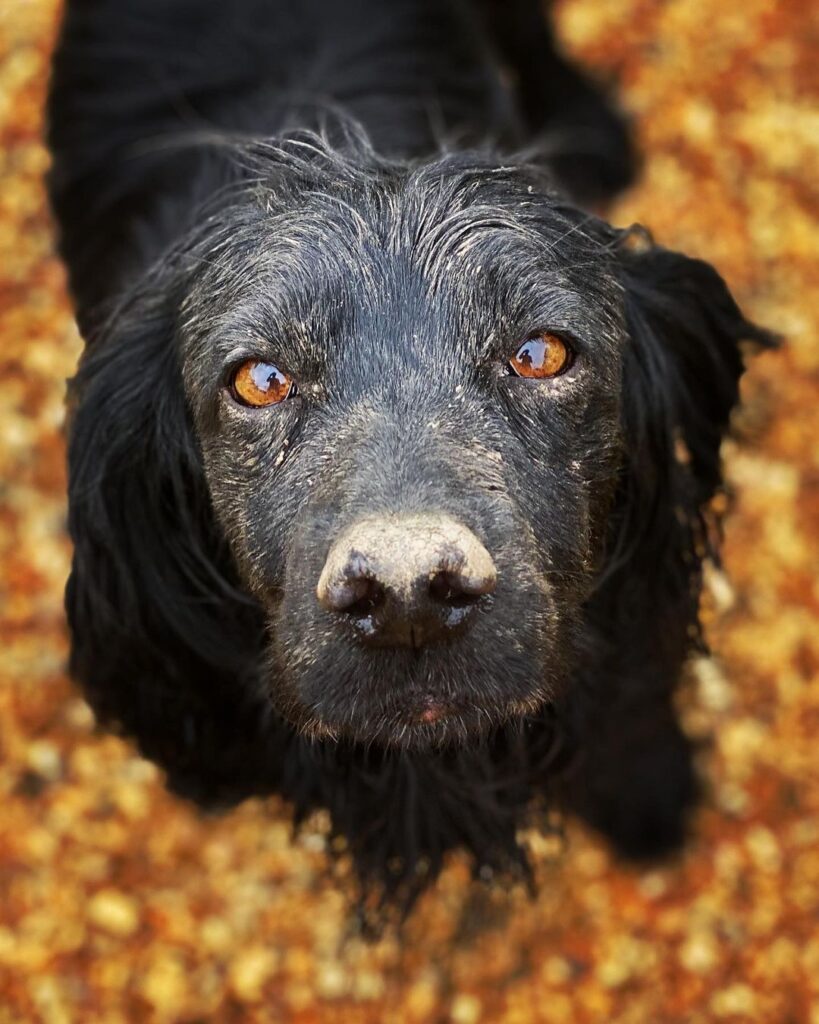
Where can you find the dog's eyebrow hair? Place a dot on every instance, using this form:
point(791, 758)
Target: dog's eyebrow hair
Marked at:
point(580, 227)
point(365, 230)
point(193, 257)
point(459, 234)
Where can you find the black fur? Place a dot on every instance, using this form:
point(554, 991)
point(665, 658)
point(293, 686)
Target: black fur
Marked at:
point(332, 187)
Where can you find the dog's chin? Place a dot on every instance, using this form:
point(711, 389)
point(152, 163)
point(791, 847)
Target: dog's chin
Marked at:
point(420, 722)
point(447, 695)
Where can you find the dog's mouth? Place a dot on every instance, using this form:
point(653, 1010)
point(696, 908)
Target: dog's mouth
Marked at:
point(456, 693)
point(422, 721)
point(432, 709)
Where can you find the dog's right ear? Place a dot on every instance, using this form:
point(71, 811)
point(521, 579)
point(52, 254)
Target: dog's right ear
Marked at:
point(161, 635)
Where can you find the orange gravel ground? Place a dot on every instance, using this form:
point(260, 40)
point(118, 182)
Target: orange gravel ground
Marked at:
point(120, 904)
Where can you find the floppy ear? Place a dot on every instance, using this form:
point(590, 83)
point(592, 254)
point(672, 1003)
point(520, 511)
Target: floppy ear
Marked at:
point(162, 640)
point(681, 371)
point(681, 374)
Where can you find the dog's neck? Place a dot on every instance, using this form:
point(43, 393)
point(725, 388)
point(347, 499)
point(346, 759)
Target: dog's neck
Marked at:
point(417, 74)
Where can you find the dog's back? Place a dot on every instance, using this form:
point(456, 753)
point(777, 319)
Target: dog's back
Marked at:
point(141, 90)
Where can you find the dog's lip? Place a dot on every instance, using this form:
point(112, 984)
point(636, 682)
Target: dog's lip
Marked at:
point(425, 719)
point(431, 709)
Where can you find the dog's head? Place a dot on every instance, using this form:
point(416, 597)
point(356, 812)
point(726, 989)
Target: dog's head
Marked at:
point(377, 437)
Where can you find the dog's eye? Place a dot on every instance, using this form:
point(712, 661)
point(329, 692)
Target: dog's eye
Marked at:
point(541, 356)
point(257, 384)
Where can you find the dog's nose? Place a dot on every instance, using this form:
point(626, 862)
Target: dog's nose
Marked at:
point(407, 581)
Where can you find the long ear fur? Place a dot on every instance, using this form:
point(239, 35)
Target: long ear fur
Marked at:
point(162, 640)
point(635, 780)
point(681, 381)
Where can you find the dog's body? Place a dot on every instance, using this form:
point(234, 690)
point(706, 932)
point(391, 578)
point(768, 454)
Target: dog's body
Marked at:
point(393, 276)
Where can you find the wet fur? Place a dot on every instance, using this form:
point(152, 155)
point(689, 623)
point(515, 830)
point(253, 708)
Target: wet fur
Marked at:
point(375, 160)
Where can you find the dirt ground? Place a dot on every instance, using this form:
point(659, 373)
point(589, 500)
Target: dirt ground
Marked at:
point(120, 904)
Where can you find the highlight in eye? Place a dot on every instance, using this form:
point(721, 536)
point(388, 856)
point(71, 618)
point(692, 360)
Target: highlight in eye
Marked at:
point(260, 384)
point(542, 356)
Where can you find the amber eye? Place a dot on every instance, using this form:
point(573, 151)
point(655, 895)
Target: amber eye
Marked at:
point(257, 384)
point(541, 356)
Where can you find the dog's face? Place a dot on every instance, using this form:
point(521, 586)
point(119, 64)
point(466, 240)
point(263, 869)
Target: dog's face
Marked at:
point(406, 390)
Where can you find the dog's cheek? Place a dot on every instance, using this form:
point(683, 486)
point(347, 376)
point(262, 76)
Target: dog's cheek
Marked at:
point(255, 487)
point(567, 470)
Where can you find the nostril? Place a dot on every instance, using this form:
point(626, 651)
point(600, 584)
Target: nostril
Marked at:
point(356, 596)
point(459, 590)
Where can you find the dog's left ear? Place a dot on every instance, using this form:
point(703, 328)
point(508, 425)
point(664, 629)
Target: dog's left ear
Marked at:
point(681, 367)
point(681, 371)
point(684, 357)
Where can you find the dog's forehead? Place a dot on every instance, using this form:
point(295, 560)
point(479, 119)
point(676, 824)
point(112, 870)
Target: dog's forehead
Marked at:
point(432, 221)
point(403, 252)
point(488, 236)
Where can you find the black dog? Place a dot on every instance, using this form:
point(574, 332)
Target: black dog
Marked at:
point(389, 467)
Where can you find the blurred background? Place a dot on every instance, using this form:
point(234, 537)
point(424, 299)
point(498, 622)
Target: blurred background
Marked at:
point(119, 903)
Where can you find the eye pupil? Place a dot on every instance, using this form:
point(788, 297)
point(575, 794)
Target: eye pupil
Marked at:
point(540, 357)
point(524, 357)
point(266, 377)
point(256, 383)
